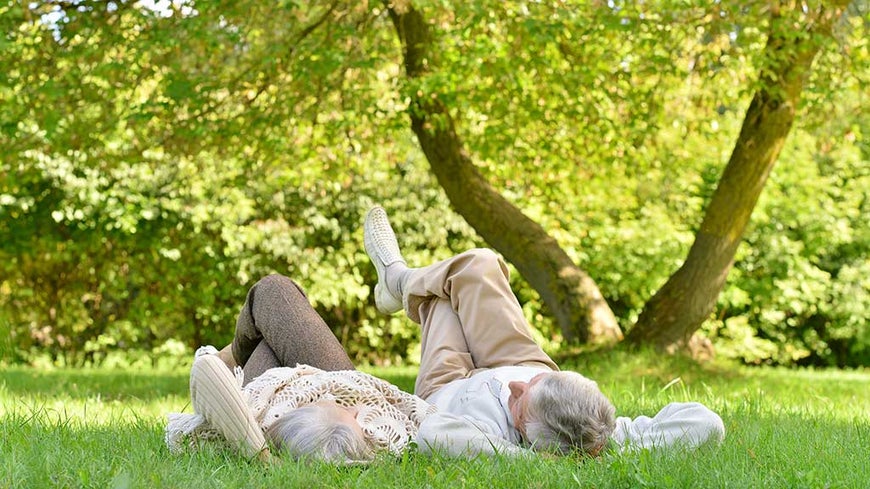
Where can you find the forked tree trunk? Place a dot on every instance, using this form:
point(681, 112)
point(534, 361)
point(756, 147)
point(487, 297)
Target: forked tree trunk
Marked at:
point(571, 295)
point(688, 298)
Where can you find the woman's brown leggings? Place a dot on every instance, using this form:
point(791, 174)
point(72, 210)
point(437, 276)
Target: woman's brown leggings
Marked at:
point(277, 327)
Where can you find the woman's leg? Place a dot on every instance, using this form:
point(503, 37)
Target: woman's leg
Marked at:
point(278, 314)
point(261, 360)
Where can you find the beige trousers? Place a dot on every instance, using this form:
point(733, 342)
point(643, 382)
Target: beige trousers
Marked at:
point(470, 320)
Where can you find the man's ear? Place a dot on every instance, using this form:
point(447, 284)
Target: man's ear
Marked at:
point(518, 389)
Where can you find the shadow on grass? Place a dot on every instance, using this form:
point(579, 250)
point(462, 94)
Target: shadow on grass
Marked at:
point(123, 384)
point(618, 370)
point(642, 362)
point(88, 383)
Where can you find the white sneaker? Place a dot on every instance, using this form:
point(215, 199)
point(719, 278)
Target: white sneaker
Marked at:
point(383, 250)
point(216, 395)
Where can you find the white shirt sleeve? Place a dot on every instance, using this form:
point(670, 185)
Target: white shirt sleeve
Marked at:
point(685, 424)
point(458, 436)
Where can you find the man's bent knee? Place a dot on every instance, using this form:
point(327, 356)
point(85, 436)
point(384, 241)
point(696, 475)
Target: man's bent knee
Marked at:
point(488, 261)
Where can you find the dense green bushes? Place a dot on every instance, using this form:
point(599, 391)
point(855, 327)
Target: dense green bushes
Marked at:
point(120, 269)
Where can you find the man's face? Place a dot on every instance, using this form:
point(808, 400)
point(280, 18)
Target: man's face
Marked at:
point(518, 402)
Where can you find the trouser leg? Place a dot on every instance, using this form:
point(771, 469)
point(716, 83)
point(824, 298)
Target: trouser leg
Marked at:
point(446, 356)
point(278, 313)
point(476, 286)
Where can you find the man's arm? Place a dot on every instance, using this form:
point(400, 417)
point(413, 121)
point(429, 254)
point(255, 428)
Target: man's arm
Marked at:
point(684, 424)
point(458, 436)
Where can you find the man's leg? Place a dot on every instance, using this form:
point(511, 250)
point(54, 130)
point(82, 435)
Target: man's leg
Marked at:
point(278, 314)
point(444, 352)
point(475, 285)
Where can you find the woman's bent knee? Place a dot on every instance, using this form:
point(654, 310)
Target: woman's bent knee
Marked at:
point(276, 281)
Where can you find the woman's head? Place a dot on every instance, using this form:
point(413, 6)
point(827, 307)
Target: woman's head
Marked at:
point(323, 431)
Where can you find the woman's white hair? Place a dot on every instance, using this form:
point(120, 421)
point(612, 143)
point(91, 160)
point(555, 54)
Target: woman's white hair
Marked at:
point(313, 432)
point(568, 412)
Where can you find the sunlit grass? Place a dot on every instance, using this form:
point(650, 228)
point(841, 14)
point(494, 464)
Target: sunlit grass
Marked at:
point(104, 428)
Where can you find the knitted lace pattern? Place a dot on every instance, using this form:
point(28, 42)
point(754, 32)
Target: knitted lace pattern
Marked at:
point(388, 416)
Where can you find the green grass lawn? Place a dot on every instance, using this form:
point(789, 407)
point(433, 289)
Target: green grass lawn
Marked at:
point(785, 428)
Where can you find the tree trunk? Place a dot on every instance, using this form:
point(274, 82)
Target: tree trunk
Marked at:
point(688, 298)
point(571, 295)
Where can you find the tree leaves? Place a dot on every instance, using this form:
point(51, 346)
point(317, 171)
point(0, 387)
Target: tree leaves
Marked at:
point(157, 166)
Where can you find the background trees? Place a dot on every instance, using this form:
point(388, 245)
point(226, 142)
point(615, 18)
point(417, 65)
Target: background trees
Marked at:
point(572, 296)
point(687, 299)
point(156, 160)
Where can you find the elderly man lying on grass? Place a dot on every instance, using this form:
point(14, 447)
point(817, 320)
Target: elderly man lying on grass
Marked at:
point(484, 386)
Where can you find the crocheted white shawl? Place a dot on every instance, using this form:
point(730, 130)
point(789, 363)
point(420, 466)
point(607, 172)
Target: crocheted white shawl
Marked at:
point(388, 416)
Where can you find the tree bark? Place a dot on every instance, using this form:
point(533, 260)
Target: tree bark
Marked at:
point(688, 298)
point(571, 295)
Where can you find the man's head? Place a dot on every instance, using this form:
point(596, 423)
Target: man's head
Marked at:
point(324, 431)
point(562, 411)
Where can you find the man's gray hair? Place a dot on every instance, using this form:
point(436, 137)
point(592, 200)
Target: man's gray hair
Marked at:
point(567, 412)
point(311, 432)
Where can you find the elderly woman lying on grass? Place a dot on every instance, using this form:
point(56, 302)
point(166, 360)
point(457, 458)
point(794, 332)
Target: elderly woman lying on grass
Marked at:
point(484, 385)
point(294, 388)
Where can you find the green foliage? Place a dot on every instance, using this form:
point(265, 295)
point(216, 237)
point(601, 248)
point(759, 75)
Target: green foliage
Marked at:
point(155, 164)
point(801, 277)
